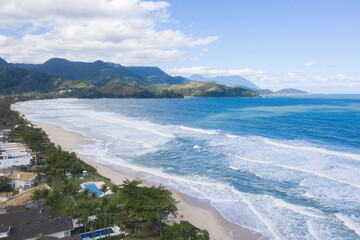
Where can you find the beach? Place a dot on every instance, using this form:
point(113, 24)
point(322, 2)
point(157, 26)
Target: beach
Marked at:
point(199, 213)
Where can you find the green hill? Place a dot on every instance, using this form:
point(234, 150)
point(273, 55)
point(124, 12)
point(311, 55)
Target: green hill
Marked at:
point(22, 81)
point(97, 73)
point(65, 78)
point(155, 75)
point(208, 89)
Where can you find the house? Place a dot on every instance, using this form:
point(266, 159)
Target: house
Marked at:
point(14, 154)
point(24, 199)
point(34, 224)
point(22, 180)
point(4, 196)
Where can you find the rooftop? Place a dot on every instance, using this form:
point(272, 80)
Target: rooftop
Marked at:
point(43, 227)
point(5, 194)
point(22, 175)
point(29, 223)
point(23, 198)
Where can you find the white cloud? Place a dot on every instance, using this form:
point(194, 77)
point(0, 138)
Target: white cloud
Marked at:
point(213, 72)
point(124, 31)
point(337, 83)
point(308, 64)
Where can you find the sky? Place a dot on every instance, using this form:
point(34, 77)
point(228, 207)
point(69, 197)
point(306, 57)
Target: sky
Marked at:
point(313, 45)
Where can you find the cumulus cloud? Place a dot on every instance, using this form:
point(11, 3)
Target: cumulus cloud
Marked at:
point(336, 83)
point(213, 72)
point(308, 64)
point(124, 31)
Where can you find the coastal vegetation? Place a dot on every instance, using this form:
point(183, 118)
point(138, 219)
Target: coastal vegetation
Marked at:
point(208, 89)
point(59, 78)
point(139, 211)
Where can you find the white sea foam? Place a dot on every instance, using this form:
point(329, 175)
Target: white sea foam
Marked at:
point(314, 149)
point(319, 174)
point(349, 222)
point(313, 230)
point(117, 139)
point(308, 211)
point(199, 130)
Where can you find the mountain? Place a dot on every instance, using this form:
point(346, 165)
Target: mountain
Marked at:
point(208, 89)
point(3, 62)
point(100, 73)
point(97, 73)
point(156, 76)
point(63, 78)
point(229, 81)
point(290, 91)
point(23, 81)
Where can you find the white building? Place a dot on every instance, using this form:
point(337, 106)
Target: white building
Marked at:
point(22, 180)
point(14, 154)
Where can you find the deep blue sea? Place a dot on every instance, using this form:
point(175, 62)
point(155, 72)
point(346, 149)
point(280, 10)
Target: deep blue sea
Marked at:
point(286, 167)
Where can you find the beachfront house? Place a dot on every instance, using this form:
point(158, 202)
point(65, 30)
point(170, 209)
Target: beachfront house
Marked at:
point(14, 154)
point(22, 180)
point(37, 224)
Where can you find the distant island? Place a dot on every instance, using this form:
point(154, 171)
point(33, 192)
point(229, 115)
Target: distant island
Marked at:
point(239, 81)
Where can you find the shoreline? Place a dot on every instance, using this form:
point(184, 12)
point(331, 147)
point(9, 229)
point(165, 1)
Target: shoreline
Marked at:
point(198, 212)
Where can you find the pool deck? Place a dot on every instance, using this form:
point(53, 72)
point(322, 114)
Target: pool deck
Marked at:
point(98, 185)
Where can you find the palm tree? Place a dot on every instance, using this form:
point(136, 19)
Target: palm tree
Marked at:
point(93, 194)
point(103, 210)
point(86, 194)
point(114, 188)
point(36, 196)
point(104, 188)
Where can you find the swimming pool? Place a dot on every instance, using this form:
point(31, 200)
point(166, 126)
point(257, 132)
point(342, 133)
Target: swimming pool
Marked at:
point(98, 233)
point(93, 188)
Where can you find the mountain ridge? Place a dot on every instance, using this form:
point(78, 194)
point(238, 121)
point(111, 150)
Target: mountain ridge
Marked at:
point(101, 79)
point(226, 80)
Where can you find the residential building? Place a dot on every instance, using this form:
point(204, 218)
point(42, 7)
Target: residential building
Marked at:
point(32, 224)
point(14, 154)
point(24, 199)
point(22, 181)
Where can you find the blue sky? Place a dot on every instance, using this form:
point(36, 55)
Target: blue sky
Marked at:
point(311, 45)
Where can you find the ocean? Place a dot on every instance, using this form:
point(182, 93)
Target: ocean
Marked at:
point(286, 167)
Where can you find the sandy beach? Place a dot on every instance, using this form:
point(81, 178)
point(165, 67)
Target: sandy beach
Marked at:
point(199, 213)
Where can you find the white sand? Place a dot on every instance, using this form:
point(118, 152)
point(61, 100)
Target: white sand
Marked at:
point(198, 213)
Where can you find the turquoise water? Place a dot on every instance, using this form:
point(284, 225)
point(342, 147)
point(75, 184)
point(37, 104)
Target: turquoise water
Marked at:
point(93, 188)
point(286, 167)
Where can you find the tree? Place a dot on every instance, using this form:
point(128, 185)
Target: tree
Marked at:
point(5, 184)
point(104, 188)
point(114, 188)
point(154, 203)
point(160, 204)
point(93, 195)
point(86, 194)
point(36, 195)
point(184, 231)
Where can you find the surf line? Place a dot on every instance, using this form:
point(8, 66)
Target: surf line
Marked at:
point(297, 169)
